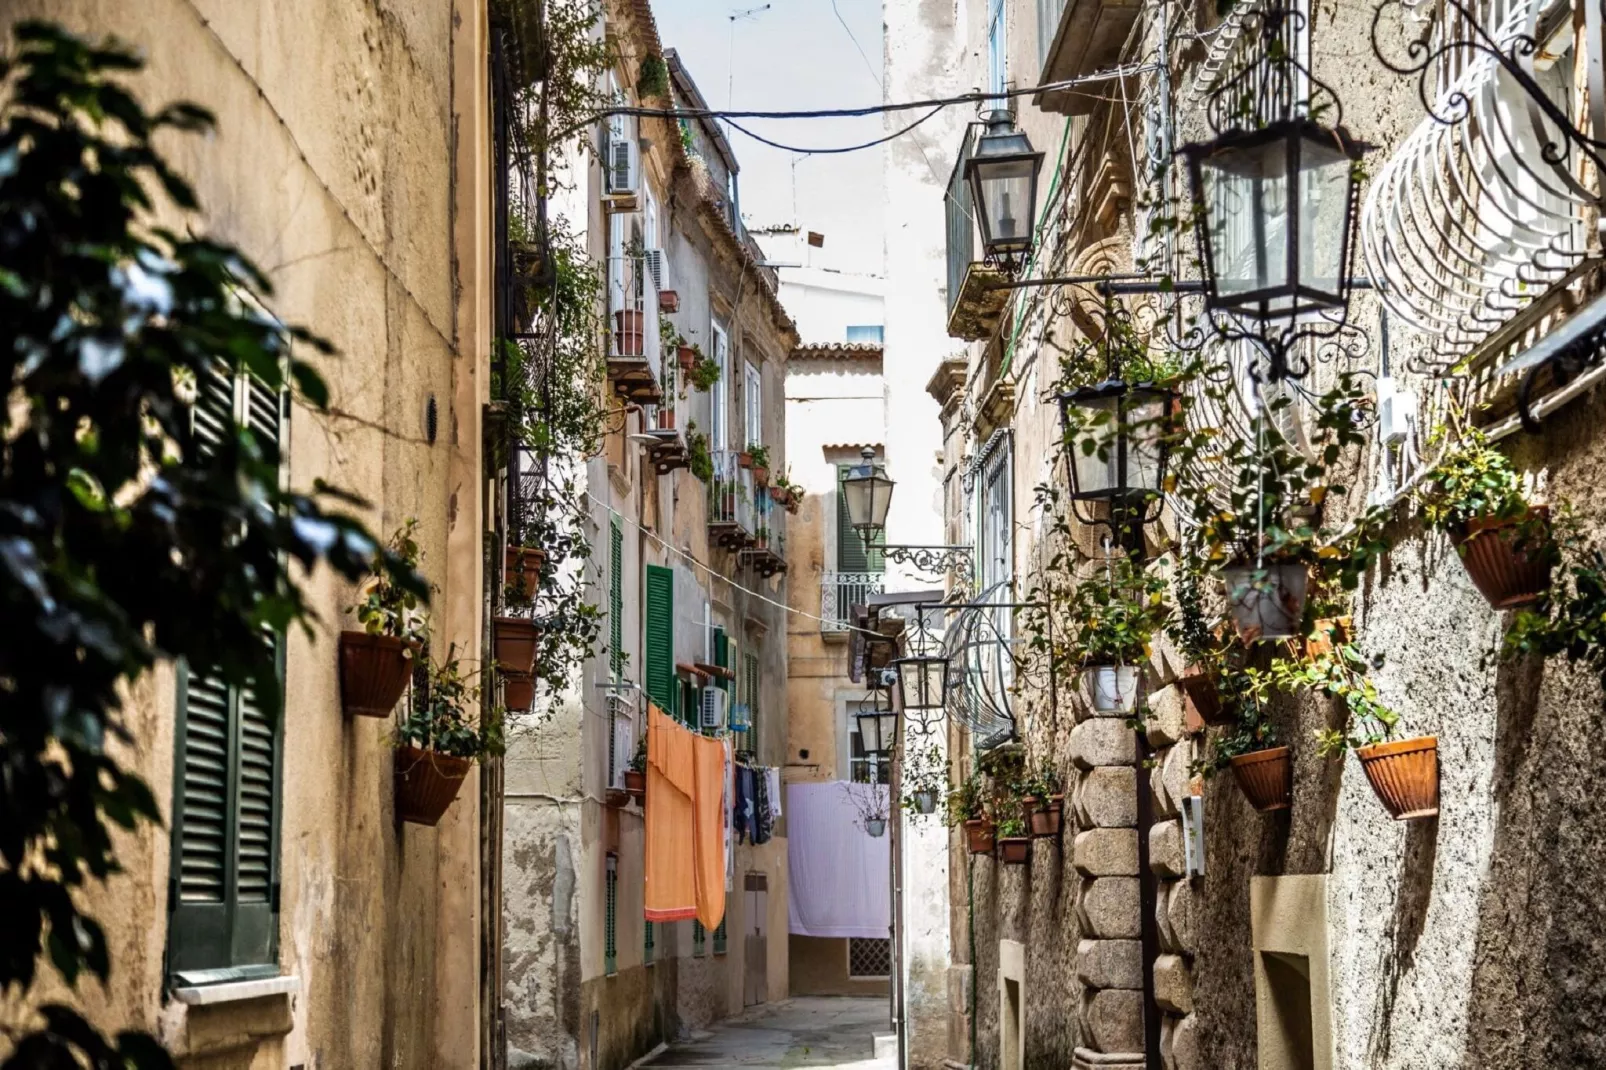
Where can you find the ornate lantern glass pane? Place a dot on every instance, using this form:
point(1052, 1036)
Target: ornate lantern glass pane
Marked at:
point(1244, 195)
point(877, 731)
point(922, 682)
point(1326, 178)
point(1002, 173)
point(867, 493)
point(1116, 440)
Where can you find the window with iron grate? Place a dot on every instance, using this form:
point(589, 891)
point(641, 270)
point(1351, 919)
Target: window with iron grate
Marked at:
point(869, 958)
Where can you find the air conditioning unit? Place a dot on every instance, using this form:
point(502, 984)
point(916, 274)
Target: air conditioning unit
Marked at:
point(657, 268)
point(622, 172)
point(714, 709)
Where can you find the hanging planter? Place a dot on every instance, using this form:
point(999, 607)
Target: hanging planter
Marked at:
point(668, 301)
point(518, 691)
point(1266, 602)
point(523, 569)
point(636, 785)
point(687, 355)
point(1045, 819)
point(374, 671)
point(1328, 634)
point(426, 783)
point(1199, 684)
point(1113, 689)
point(745, 460)
point(1266, 777)
point(1405, 775)
point(628, 332)
point(875, 826)
point(761, 475)
point(1014, 850)
point(979, 836)
point(926, 801)
point(1509, 567)
point(516, 640)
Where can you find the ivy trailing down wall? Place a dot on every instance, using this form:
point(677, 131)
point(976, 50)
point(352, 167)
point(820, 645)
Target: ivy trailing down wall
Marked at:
point(123, 542)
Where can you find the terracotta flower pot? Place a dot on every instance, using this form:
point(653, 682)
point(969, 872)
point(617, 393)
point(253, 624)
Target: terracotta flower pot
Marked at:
point(636, 785)
point(745, 460)
point(1267, 602)
point(518, 691)
point(761, 475)
point(1266, 777)
point(1405, 775)
point(426, 783)
point(668, 301)
point(979, 836)
point(523, 568)
point(687, 357)
point(1200, 687)
point(1505, 570)
point(374, 671)
point(1328, 634)
point(627, 333)
point(1113, 688)
point(1015, 850)
point(516, 640)
point(1045, 820)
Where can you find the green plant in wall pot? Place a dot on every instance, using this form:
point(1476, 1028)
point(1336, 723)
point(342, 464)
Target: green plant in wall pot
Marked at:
point(1014, 845)
point(636, 774)
point(377, 662)
point(1249, 744)
point(1571, 619)
point(1113, 616)
point(1043, 798)
point(438, 741)
point(1475, 496)
point(704, 372)
point(925, 777)
point(698, 459)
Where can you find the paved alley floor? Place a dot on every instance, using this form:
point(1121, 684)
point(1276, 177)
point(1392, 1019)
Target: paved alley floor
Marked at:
point(810, 1031)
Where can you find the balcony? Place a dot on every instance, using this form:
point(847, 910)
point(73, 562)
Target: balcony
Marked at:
point(1087, 38)
point(730, 502)
point(767, 554)
point(634, 362)
point(663, 435)
point(840, 592)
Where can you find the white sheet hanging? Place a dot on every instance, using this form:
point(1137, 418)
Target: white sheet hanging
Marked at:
point(839, 879)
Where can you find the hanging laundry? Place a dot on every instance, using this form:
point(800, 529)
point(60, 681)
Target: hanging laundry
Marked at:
point(708, 844)
point(761, 807)
point(772, 779)
point(671, 882)
point(837, 875)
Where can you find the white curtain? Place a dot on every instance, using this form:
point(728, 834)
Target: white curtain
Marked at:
point(839, 880)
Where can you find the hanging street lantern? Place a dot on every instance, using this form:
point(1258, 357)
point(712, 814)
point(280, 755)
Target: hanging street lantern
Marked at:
point(922, 682)
point(867, 493)
point(1275, 214)
point(878, 731)
point(1116, 446)
point(1002, 173)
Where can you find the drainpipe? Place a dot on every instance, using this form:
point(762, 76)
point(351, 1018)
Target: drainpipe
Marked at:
point(894, 795)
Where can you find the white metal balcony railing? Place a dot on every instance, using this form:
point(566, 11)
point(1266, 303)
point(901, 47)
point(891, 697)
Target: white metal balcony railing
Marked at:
point(730, 493)
point(769, 532)
point(633, 310)
point(840, 592)
point(621, 736)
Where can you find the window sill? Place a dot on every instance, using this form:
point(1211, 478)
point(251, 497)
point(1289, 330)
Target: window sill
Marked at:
point(237, 991)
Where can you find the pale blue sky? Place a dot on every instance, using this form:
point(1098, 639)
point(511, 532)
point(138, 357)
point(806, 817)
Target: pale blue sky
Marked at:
point(794, 56)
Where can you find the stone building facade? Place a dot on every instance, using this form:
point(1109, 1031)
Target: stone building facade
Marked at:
point(348, 161)
point(1325, 935)
point(690, 569)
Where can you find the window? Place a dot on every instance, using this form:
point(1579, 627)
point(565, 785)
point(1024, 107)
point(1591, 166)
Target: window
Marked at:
point(869, 958)
point(997, 43)
point(867, 333)
point(699, 939)
point(1048, 24)
point(995, 550)
point(752, 681)
point(718, 397)
point(610, 921)
point(224, 890)
point(616, 601)
point(851, 553)
point(658, 646)
point(753, 396)
point(960, 223)
point(865, 768)
point(649, 946)
point(720, 938)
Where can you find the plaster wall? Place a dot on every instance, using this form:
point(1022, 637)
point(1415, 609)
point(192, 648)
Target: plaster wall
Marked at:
point(826, 303)
point(335, 166)
point(820, 968)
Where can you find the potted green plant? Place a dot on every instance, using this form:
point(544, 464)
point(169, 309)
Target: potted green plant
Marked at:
point(377, 662)
point(1014, 845)
point(698, 460)
point(704, 370)
point(1249, 746)
point(1404, 773)
point(1475, 496)
point(760, 456)
point(1113, 616)
point(875, 826)
point(523, 566)
point(925, 775)
point(438, 742)
point(636, 775)
point(968, 807)
point(1043, 799)
point(1203, 649)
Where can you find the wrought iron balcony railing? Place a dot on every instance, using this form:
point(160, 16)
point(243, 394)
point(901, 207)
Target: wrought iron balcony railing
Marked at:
point(840, 592)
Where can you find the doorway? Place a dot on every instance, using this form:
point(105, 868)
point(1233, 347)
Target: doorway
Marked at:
point(755, 948)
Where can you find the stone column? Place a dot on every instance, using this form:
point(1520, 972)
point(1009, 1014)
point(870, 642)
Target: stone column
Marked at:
point(1169, 782)
point(1105, 854)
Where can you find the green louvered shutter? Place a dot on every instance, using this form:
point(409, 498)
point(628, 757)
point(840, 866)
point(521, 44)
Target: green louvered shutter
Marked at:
point(851, 555)
point(224, 888)
point(616, 600)
point(658, 647)
point(751, 683)
point(722, 655)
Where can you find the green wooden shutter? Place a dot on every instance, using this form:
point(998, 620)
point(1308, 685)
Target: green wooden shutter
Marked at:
point(224, 889)
point(722, 655)
point(649, 948)
point(616, 600)
point(658, 647)
point(752, 683)
point(699, 938)
point(851, 555)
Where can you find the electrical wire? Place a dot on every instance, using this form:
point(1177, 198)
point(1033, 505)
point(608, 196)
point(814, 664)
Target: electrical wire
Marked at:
point(831, 151)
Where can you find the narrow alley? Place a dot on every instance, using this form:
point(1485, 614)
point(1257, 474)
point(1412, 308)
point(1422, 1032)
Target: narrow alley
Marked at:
point(834, 1031)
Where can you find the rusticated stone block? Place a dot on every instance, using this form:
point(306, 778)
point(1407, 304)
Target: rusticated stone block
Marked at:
point(1103, 741)
point(1183, 1049)
point(1106, 853)
point(1088, 1059)
point(1173, 984)
point(1110, 963)
point(1167, 717)
point(1114, 1019)
point(1180, 911)
point(1109, 907)
point(1162, 918)
point(1165, 849)
point(1107, 797)
point(1168, 780)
